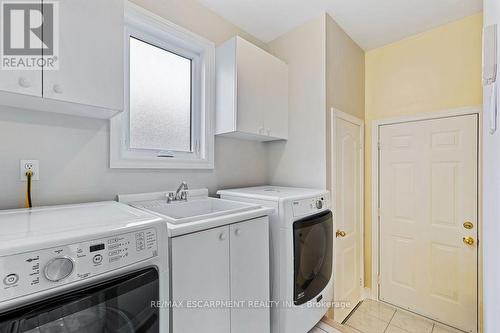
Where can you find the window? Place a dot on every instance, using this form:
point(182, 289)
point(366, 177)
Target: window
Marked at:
point(169, 97)
point(160, 98)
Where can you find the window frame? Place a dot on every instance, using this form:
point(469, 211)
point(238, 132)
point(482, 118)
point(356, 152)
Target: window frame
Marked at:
point(154, 30)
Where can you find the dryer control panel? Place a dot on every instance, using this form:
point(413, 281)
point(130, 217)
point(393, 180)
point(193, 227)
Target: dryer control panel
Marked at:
point(35, 271)
point(310, 206)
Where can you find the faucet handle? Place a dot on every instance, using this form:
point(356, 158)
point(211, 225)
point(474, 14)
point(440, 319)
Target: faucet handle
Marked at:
point(170, 197)
point(184, 194)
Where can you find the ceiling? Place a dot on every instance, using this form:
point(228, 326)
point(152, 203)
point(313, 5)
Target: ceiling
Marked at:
point(371, 23)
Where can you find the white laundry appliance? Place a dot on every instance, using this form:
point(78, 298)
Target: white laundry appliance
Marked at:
point(98, 267)
point(301, 246)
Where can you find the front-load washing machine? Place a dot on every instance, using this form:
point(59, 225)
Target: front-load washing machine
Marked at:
point(301, 246)
point(100, 267)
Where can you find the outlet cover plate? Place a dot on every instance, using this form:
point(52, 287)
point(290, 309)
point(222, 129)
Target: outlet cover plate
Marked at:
point(25, 165)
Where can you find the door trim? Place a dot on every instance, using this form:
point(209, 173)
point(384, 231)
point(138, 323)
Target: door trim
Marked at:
point(375, 225)
point(337, 114)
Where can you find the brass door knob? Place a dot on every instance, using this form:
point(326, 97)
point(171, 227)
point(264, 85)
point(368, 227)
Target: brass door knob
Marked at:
point(469, 241)
point(340, 233)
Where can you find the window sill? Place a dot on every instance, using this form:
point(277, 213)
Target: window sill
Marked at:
point(120, 159)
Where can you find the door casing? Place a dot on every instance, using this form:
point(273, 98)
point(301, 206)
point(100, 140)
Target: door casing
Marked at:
point(374, 293)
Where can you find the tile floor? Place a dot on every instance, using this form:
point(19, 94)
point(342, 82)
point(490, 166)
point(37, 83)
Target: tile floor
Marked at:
point(322, 327)
point(375, 317)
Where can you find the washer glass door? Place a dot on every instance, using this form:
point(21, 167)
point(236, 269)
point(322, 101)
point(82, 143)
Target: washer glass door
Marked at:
point(313, 246)
point(119, 305)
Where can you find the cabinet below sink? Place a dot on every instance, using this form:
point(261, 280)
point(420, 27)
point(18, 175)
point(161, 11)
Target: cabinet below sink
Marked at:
point(219, 259)
point(218, 275)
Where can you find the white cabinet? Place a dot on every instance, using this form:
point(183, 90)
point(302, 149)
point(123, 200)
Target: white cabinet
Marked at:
point(90, 54)
point(22, 82)
point(200, 272)
point(252, 92)
point(89, 80)
point(229, 263)
point(250, 275)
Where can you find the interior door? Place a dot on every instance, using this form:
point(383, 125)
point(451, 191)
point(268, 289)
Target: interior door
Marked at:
point(428, 218)
point(348, 219)
point(200, 273)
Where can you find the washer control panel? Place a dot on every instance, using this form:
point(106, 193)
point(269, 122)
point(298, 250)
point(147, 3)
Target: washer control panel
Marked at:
point(35, 271)
point(310, 206)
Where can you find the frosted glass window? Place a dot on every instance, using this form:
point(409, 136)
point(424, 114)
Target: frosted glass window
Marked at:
point(160, 98)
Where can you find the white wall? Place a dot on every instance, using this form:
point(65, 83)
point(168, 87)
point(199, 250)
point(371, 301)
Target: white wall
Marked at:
point(345, 81)
point(491, 206)
point(301, 161)
point(345, 71)
point(74, 153)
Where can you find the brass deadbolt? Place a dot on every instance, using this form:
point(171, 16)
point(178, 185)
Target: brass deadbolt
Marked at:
point(468, 225)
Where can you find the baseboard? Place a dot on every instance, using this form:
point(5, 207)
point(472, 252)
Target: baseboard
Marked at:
point(367, 294)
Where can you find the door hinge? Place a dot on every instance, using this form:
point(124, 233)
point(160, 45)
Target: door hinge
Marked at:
point(378, 279)
point(378, 145)
point(360, 282)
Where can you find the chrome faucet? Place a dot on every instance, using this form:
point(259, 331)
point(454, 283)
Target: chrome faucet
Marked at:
point(180, 195)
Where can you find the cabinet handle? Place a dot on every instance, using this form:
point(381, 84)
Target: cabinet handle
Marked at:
point(24, 82)
point(237, 232)
point(222, 236)
point(57, 89)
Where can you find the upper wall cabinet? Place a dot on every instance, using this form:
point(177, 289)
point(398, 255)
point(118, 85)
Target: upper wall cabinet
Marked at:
point(87, 37)
point(252, 92)
point(91, 54)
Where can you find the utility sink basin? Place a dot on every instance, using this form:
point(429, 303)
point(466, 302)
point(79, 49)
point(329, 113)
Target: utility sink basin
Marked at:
point(179, 212)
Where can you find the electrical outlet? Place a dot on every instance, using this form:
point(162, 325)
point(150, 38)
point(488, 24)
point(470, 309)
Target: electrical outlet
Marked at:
point(26, 165)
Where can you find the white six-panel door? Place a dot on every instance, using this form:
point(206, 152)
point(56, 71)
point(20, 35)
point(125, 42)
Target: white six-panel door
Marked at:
point(427, 191)
point(347, 214)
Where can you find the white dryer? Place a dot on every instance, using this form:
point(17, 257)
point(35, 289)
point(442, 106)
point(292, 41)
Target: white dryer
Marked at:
point(99, 267)
point(301, 244)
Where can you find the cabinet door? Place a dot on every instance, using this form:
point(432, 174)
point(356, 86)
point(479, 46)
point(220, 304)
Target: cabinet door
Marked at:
point(251, 88)
point(27, 82)
point(276, 108)
point(250, 275)
point(22, 82)
point(200, 272)
point(90, 54)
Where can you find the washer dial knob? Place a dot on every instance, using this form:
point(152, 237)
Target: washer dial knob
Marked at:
point(59, 268)
point(319, 204)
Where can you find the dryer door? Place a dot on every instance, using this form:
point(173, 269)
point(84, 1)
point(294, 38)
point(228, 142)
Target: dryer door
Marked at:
point(313, 247)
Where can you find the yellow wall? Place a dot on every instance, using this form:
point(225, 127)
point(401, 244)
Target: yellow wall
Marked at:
point(436, 70)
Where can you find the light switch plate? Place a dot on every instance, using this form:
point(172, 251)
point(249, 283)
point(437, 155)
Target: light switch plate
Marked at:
point(25, 165)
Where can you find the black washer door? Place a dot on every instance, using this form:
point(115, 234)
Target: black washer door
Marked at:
point(121, 305)
point(313, 247)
